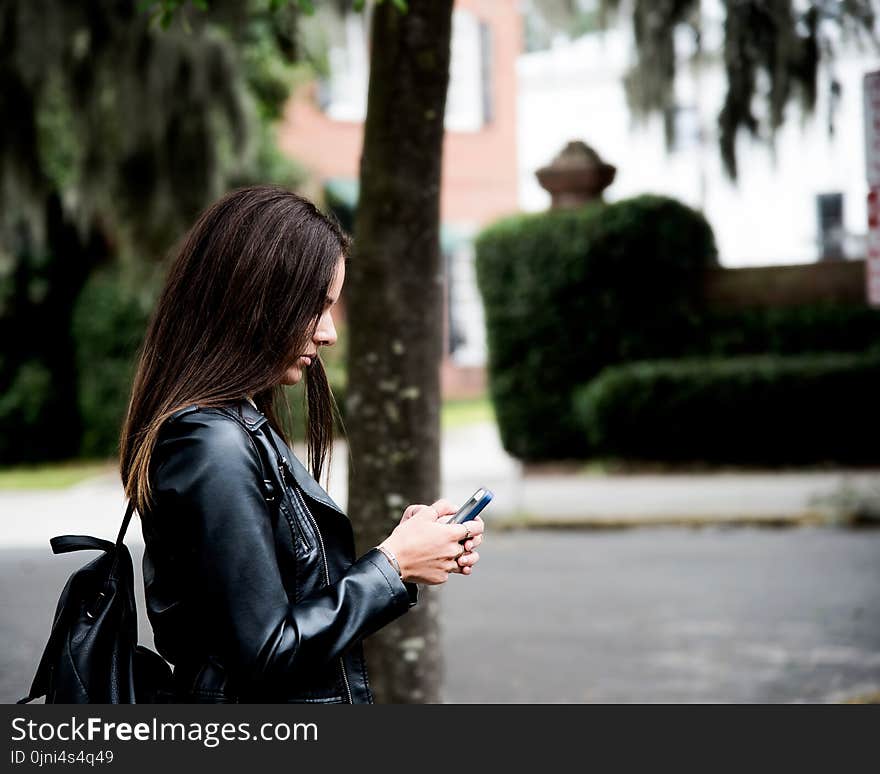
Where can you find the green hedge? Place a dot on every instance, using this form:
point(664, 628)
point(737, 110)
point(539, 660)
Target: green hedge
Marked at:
point(568, 292)
point(752, 410)
point(796, 330)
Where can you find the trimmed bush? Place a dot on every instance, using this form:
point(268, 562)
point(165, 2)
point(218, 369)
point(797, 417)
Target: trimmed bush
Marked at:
point(798, 330)
point(753, 410)
point(569, 292)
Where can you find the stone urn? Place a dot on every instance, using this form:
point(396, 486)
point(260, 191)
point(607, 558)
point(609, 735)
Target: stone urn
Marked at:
point(576, 176)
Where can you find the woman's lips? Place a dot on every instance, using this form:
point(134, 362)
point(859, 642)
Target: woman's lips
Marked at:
point(305, 359)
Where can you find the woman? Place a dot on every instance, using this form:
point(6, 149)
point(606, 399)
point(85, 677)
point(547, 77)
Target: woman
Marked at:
point(251, 581)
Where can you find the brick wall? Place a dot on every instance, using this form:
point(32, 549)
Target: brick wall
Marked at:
point(479, 168)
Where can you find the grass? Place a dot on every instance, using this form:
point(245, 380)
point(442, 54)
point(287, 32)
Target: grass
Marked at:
point(53, 475)
point(466, 411)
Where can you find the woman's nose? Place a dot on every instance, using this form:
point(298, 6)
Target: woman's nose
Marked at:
point(326, 333)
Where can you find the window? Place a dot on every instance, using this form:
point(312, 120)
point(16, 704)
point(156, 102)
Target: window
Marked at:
point(469, 100)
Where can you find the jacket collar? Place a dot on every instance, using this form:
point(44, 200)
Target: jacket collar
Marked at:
point(257, 420)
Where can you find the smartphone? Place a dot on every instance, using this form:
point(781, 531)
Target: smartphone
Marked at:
point(479, 500)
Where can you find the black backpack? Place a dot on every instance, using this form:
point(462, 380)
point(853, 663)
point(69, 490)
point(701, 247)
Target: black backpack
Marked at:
point(92, 655)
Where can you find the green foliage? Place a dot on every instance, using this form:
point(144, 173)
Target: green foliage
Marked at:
point(400, 5)
point(753, 410)
point(39, 422)
point(568, 292)
point(270, 164)
point(22, 403)
point(109, 322)
point(60, 155)
point(125, 128)
point(163, 12)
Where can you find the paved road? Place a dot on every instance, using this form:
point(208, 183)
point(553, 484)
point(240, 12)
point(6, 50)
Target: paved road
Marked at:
point(668, 616)
point(653, 615)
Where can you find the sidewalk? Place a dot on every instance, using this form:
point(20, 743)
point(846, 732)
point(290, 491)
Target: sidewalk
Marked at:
point(472, 457)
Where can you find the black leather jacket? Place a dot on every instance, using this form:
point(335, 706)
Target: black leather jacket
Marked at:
point(252, 586)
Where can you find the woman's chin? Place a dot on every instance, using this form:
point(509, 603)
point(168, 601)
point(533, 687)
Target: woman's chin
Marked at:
point(292, 376)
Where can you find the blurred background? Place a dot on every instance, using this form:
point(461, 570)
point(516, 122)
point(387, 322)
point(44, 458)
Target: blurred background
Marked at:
point(660, 235)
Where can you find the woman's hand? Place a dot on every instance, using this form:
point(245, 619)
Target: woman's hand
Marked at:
point(428, 550)
point(440, 511)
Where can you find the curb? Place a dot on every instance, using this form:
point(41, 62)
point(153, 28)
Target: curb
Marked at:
point(531, 522)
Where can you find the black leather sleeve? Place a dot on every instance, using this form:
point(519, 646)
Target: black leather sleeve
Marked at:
point(207, 468)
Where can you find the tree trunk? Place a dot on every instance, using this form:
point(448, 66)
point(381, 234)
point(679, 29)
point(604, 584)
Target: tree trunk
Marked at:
point(394, 291)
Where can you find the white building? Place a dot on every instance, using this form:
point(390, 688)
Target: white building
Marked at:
point(575, 91)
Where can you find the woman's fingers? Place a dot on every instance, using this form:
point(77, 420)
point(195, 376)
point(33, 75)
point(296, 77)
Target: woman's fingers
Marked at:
point(470, 545)
point(423, 512)
point(411, 511)
point(468, 530)
point(473, 528)
point(464, 565)
point(440, 511)
point(443, 508)
point(471, 535)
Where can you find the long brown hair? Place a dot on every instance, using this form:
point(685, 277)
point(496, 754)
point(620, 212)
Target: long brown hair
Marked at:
point(242, 299)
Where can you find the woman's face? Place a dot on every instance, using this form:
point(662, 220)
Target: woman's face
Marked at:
point(325, 333)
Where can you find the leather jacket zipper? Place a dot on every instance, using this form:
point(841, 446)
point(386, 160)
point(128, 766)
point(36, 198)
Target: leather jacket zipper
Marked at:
point(314, 524)
point(294, 521)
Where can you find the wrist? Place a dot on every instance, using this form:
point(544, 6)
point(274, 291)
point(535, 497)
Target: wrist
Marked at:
point(391, 556)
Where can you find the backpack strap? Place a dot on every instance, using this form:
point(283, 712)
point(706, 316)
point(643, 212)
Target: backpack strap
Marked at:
point(117, 547)
point(125, 522)
point(63, 544)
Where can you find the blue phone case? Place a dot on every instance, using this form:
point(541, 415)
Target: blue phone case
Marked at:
point(471, 509)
